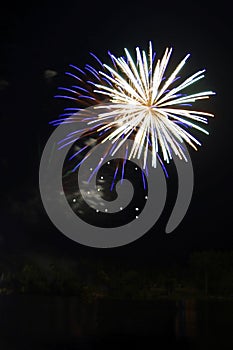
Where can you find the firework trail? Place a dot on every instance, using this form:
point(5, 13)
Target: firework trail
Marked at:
point(142, 104)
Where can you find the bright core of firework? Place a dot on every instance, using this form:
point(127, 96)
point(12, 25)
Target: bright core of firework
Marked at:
point(145, 102)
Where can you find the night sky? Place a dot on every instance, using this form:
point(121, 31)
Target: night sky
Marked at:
point(50, 36)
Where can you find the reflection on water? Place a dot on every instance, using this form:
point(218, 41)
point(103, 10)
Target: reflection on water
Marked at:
point(31, 322)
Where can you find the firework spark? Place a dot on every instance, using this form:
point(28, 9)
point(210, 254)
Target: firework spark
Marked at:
point(142, 104)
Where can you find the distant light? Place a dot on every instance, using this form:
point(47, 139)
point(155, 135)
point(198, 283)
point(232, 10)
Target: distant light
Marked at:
point(146, 197)
point(4, 84)
point(136, 217)
point(101, 177)
point(74, 200)
point(121, 208)
point(97, 210)
point(49, 74)
point(106, 210)
point(136, 209)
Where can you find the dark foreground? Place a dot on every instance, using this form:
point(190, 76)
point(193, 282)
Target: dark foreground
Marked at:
point(41, 323)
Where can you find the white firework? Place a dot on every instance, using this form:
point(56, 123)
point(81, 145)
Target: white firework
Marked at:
point(147, 105)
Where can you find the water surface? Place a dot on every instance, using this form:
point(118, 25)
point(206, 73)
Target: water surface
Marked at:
point(35, 322)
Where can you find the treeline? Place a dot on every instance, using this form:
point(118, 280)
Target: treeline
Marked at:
point(207, 274)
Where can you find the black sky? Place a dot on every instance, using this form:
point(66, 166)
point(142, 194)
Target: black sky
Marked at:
point(38, 37)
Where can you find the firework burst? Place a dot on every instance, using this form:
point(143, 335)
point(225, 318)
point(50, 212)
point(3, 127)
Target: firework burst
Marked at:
point(142, 105)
